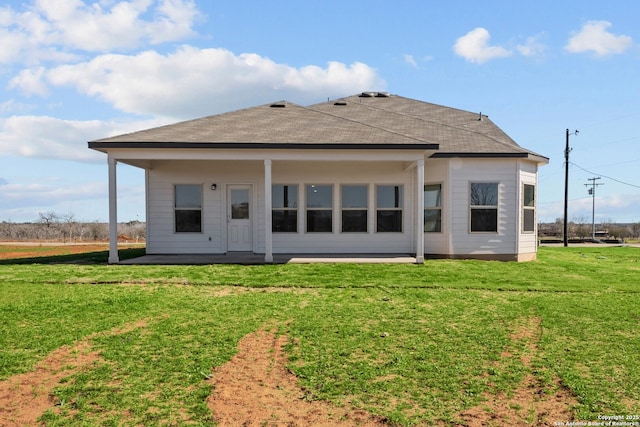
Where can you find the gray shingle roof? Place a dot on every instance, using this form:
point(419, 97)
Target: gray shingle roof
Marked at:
point(356, 121)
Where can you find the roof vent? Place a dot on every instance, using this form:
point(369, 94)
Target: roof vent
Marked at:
point(383, 95)
point(340, 102)
point(367, 94)
point(280, 104)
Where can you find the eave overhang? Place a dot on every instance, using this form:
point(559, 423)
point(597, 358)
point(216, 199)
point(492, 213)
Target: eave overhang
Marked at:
point(102, 146)
point(530, 156)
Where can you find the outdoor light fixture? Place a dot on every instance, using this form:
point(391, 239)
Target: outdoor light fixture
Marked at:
point(214, 187)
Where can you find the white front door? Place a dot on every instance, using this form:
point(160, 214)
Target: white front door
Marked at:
point(239, 213)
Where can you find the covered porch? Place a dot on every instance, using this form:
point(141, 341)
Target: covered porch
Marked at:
point(271, 167)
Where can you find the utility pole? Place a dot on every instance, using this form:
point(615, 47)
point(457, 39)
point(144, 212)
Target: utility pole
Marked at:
point(592, 192)
point(567, 150)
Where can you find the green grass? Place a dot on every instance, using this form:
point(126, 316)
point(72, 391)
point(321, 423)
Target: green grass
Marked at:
point(414, 344)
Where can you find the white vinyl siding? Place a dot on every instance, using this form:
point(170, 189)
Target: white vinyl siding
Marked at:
point(462, 173)
point(455, 176)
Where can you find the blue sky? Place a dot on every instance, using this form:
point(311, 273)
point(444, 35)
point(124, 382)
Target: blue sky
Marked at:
point(74, 71)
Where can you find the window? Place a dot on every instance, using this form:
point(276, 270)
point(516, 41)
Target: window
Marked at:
point(319, 208)
point(389, 208)
point(354, 208)
point(483, 200)
point(433, 208)
point(188, 208)
point(284, 212)
point(529, 208)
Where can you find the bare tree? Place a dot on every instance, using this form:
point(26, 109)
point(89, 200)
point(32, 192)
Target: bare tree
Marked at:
point(48, 218)
point(69, 221)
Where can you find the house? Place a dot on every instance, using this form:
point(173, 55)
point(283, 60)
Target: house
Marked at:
point(369, 173)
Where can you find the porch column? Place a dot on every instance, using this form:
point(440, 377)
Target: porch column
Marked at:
point(268, 236)
point(113, 213)
point(420, 211)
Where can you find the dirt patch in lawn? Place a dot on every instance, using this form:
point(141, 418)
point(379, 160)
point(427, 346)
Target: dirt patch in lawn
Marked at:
point(25, 397)
point(256, 389)
point(533, 402)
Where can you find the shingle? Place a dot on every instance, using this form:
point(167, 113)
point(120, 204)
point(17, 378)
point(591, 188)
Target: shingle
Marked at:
point(388, 120)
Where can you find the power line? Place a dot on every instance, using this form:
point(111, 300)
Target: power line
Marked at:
point(608, 177)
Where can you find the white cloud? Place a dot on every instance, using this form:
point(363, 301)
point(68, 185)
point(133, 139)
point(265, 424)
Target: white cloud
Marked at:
point(52, 138)
point(474, 47)
point(190, 81)
point(30, 81)
point(532, 47)
point(48, 191)
point(409, 59)
point(48, 30)
point(594, 37)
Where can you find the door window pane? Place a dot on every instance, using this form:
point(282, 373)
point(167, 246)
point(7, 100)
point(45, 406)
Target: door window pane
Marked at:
point(239, 204)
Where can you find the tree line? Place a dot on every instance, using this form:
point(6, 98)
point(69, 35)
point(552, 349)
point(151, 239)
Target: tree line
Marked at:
point(52, 226)
point(581, 229)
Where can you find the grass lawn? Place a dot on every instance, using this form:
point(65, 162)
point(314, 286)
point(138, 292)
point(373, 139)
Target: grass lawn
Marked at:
point(413, 344)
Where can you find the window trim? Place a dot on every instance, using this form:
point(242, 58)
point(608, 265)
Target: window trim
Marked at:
point(307, 209)
point(199, 209)
point(433, 208)
point(532, 208)
point(495, 207)
point(400, 209)
point(365, 209)
point(295, 209)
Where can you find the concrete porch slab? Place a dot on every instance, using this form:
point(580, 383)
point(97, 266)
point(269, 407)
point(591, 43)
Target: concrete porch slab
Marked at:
point(249, 258)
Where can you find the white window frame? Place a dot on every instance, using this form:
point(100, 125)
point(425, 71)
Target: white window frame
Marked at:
point(287, 208)
point(528, 208)
point(364, 208)
point(495, 207)
point(399, 208)
point(433, 208)
point(308, 209)
point(193, 208)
